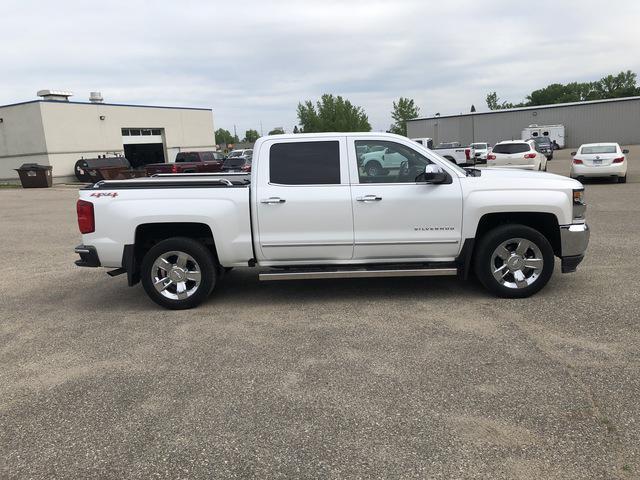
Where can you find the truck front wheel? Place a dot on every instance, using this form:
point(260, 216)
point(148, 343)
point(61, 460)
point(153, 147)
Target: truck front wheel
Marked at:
point(514, 261)
point(178, 273)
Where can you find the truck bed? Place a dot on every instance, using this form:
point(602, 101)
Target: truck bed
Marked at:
point(219, 201)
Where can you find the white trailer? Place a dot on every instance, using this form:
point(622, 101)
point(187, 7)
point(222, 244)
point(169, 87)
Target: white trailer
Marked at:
point(554, 132)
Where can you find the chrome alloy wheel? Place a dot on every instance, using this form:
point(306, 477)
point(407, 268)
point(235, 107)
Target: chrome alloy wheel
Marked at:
point(176, 275)
point(517, 263)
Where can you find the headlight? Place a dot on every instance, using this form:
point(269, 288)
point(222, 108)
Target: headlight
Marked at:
point(579, 207)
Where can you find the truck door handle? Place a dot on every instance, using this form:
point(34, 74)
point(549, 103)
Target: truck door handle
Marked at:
point(369, 198)
point(273, 200)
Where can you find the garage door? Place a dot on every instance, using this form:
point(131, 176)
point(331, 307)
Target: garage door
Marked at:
point(143, 146)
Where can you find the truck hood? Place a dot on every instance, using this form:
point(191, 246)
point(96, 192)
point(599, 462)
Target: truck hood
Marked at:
point(515, 178)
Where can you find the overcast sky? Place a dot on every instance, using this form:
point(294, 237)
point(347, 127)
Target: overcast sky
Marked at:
point(253, 61)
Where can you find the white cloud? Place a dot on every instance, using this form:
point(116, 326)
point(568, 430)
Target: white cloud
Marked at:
point(252, 61)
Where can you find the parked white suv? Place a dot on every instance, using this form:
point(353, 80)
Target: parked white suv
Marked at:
point(517, 154)
point(600, 160)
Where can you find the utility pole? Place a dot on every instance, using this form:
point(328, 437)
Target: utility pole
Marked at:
point(235, 134)
point(261, 132)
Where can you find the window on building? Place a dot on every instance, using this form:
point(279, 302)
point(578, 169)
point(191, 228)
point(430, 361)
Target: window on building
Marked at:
point(305, 163)
point(125, 132)
point(156, 131)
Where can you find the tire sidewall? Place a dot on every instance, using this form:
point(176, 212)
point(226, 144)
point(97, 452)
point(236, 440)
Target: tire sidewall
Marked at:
point(490, 241)
point(200, 253)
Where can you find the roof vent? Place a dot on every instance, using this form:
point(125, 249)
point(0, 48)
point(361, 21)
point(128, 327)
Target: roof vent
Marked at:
point(56, 95)
point(96, 97)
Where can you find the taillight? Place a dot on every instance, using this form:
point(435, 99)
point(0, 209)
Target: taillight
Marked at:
point(491, 156)
point(529, 155)
point(618, 160)
point(86, 220)
point(174, 168)
point(467, 153)
point(577, 161)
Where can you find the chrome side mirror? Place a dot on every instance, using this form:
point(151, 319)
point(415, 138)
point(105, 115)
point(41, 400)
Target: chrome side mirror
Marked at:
point(434, 174)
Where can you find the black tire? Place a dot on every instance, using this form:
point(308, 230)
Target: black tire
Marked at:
point(373, 169)
point(202, 257)
point(484, 260)
point(622, 179)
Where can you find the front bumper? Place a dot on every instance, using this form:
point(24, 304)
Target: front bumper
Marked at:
point(574, 240)
point(88, 256)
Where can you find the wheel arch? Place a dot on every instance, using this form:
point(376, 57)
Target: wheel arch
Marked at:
point(149, 234)
point(544, 222)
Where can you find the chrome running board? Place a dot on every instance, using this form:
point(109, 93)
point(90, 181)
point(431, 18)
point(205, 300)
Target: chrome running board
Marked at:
point(356, 273)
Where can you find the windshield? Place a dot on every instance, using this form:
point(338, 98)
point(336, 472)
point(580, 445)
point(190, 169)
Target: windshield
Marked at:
point(235, 153)
point(448, 145)
point(509, 148)
point(479, 146)
point(599, 149)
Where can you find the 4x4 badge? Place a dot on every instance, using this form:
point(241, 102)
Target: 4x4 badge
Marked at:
point(104, 194)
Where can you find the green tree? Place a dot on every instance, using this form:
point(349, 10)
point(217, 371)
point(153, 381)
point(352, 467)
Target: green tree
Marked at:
point(615, 86)
point(404, 109)
point(276, 131)
point(251, 136)
point(332, 114)
point(493, 102)
point(224, 136)
point(624, 84)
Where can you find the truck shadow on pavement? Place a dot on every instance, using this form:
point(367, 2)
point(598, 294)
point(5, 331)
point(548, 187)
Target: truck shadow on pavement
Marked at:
point(242, 287)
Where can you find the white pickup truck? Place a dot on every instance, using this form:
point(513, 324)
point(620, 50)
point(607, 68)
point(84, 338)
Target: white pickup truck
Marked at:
point(456, 153)
point(308, 210)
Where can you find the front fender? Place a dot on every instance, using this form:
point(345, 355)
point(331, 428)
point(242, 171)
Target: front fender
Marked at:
point(480, 203)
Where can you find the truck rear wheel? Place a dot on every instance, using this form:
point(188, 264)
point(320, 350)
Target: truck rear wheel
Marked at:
point(178, 273)
point(514, 261)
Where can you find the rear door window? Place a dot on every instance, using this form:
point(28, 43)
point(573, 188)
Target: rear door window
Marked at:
point(186, 157)
point(305, 163)
point(510, 148)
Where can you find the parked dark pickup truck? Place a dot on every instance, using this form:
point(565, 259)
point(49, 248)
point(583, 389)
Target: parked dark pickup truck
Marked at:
point(189, 162)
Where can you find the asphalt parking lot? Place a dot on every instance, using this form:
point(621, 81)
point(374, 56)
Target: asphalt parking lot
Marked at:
point(385, 378)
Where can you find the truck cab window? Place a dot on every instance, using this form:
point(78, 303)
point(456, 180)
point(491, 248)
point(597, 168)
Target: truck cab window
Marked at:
point(388, 162)
point(305, 163)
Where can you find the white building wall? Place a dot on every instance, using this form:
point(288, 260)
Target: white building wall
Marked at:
point(21, 138)
point(60, 133)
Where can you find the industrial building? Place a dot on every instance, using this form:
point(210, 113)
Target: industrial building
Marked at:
point(55, 131)
point(612, 120)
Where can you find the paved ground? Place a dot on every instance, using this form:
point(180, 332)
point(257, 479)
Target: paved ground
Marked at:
point(385, 378)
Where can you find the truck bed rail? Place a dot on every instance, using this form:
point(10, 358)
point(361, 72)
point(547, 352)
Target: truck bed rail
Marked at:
point(170, 181)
